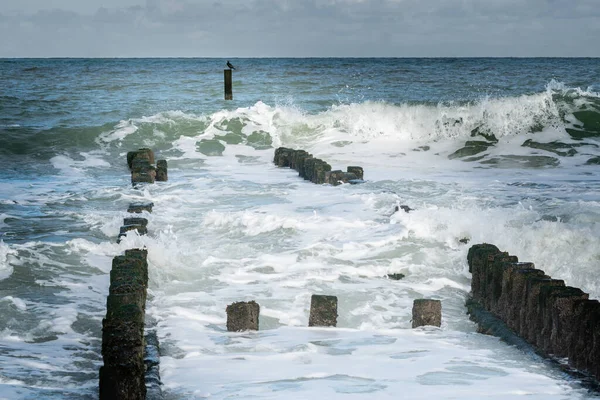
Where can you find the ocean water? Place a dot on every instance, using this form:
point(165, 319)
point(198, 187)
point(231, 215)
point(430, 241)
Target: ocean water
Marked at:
point(503, 151)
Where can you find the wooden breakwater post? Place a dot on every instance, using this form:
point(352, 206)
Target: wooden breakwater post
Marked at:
point(131, 358)
point(323, 310)
point(161, 171)
point(242, 316)
point(133, 224)
point(228, 84)
point(143, 170)
point(314, 169)
point(426, 312)
point(138, 208)
point(557, 320)
point(152, 361)
point(123, 374)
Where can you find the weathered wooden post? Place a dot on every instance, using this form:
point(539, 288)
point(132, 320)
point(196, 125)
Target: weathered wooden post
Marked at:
point(140, 227)
point(242, 316)
point(139, 207)
point(228, 85)
point(426, 312)
point(143, 153)
point(323, 310)
point(122, 375)
point(161, 171)
point(358, 171)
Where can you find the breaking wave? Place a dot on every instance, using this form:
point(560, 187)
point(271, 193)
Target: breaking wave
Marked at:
point(558, 122)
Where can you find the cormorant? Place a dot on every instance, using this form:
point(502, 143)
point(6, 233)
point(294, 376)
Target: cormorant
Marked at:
point(230, 65)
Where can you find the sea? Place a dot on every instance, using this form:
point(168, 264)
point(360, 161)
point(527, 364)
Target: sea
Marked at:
point(483, 150)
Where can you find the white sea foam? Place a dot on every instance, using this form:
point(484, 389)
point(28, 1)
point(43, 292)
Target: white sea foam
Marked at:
point(296, 363)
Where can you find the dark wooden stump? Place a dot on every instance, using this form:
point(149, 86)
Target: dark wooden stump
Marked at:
point(228, 84)
point(142, 154)
point(323, 310)
point(139, 207)
point(161, 171)
point(242, 316)
point(358, 171)
point(426, 312)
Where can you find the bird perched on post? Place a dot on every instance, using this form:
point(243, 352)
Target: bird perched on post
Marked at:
point(230, 65)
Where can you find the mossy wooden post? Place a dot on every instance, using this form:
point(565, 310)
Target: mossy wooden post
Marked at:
point(122, 375)
point(228, 85)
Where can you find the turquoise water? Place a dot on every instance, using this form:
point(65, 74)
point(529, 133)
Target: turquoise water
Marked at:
point(503, 151)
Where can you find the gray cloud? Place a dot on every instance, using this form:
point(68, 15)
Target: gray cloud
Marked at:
point(260, 28)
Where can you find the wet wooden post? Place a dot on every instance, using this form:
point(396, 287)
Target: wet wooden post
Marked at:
point(323, 310)
point(426, 312)
point(242, 316)
point(122, 375)
point(228, 85)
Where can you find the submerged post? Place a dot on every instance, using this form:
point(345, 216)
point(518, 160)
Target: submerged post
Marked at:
point(228, 85)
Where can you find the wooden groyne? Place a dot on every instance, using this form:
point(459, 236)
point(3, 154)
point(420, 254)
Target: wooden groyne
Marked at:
point(314, 169)
point(559, 321)
point(243, 316)
point(123, 374)
point(130, 354)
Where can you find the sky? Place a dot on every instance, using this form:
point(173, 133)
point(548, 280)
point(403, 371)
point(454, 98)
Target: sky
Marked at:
point(299, 28)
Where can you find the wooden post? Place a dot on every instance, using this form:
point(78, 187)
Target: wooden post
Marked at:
point(323, 310)
point(426, 312)
point(228, 85)
point(122, 375)
point(242, 316)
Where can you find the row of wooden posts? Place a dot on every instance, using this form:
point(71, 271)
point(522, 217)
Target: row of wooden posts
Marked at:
point(559, 321)
point(243, 316)
point(314, 169)
point(130, 357)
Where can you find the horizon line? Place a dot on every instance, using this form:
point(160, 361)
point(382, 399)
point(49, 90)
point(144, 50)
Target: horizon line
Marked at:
point(291, 57)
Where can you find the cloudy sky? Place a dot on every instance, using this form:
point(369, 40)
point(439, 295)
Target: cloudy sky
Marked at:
point(299, 28)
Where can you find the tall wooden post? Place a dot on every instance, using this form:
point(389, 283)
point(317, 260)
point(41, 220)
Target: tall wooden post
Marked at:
point(228, 85)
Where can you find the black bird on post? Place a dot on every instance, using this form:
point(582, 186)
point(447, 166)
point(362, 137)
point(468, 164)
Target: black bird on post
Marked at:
point(230, 65)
